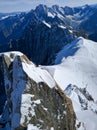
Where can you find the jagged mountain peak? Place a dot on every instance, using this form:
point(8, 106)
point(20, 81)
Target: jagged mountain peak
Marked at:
point(41, 9)
point(55, 7)
point(34, 100)
point(65, 23)
point(41, 6)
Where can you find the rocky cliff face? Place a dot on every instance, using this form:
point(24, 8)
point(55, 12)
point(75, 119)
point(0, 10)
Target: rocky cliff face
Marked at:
point(42, 41)
point(34, 100)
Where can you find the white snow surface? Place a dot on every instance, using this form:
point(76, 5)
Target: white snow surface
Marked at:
point(7, 16)
point(38, 74)
point(76, 64)
point(32, 127)
point(61, 26)
point(47, 24)
point(25, 105)
point(51, 15)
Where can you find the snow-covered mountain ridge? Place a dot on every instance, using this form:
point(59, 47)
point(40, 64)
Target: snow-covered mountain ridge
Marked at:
point(33, 100)
point(80, 57)
point(75, 71)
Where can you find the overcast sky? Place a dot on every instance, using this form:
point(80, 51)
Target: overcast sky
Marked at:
point(25, 5)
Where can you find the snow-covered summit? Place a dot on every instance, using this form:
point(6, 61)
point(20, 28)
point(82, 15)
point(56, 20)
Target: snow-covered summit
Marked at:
point(75, 71)
point(79, 64)
point(81, 47)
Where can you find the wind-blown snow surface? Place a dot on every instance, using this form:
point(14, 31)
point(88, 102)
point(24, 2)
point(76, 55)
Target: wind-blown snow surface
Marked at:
point(38, 75)
point(76, 64)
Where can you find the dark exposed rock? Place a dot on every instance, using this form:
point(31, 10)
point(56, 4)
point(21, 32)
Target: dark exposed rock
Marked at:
point(47, 30)
point(29, 102)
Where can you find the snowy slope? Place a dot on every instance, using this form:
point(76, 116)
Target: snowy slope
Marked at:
point(38, 74)
point(84, 106)
point(76, 65)
point(7, 15)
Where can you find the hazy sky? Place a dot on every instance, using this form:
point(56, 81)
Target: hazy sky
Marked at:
point(23, 5)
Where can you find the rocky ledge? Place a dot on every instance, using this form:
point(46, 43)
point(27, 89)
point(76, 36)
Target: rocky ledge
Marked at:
point(32, 101)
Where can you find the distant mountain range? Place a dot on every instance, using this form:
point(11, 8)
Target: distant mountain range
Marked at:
point(42, 29)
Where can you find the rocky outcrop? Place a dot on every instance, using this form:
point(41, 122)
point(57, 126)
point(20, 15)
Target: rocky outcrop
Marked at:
point(85, 99)
point(33, 101)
